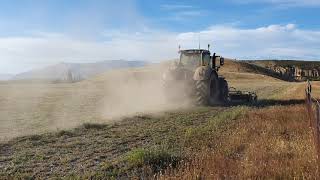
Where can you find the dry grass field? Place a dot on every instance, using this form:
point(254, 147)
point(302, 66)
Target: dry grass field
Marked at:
point(92, 130)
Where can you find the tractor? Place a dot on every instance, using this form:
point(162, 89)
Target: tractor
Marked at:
point(196, 73)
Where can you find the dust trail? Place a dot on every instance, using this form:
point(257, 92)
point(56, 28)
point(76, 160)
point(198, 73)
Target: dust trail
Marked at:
point(31, 108)
point(136, 91)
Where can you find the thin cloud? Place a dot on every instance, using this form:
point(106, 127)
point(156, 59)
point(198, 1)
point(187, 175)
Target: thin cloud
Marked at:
point(183, 16)
point(171, 7)
point(181, 12)
point(283, 3)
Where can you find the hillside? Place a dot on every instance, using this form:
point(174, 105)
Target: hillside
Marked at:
point(285, 63)
point(78, 70)
point(287, 70)
point(119, 125)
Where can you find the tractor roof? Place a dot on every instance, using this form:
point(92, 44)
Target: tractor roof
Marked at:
point(194, 51)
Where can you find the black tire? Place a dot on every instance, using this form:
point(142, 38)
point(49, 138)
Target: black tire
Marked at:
point(224, 90)
point(207, 91)
point(202, 92)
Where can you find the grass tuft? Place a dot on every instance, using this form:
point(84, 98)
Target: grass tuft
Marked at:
point(65, 133)
point(94, 126)
point(35, 137)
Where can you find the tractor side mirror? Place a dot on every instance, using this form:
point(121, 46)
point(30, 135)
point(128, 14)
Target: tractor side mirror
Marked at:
point(221, 61)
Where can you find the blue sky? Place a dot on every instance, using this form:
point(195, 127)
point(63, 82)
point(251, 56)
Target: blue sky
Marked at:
point(37, 33)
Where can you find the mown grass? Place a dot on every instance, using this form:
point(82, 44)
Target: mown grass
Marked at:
point(197, 137)
point(109, 150)
point(236, 142)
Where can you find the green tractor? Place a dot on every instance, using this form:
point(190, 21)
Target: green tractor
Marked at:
point(195, 75)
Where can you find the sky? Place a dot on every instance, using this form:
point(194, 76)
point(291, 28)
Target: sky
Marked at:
point(38, 33)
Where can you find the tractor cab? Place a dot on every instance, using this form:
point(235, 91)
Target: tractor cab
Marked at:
point(199, 57)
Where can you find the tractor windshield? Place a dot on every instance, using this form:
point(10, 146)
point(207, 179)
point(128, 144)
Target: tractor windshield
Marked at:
point(190, 59)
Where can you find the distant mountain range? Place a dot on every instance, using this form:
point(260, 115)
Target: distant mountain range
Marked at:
point(63, 71)
point(4, 77)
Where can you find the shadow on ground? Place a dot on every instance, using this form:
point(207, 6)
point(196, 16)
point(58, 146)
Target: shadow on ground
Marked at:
point(271, 102)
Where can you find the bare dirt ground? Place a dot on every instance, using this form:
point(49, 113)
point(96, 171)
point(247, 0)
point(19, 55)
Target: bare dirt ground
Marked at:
point(74, 133)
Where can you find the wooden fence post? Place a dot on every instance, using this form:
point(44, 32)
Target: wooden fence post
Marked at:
point(314, 117)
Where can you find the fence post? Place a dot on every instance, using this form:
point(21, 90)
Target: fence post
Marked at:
point(314, 117)
point(317, 134)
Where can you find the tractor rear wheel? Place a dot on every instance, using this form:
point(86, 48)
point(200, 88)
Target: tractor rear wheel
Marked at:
point(206, 91)
point(224, 90)
point(202, 92)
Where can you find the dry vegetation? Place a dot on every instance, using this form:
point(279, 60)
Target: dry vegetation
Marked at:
point(269, 140)
point(272, 142)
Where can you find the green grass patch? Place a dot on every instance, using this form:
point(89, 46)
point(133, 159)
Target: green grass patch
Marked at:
point(156, 158)
point(200, 135)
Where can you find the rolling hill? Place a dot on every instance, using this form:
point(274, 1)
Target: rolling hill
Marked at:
point(284, 63)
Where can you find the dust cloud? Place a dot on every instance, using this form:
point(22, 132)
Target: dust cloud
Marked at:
point(33, 108)
point(128, 93)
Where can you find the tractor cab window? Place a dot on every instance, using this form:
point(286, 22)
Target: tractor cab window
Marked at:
point(206, 59)
point(190, 59)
